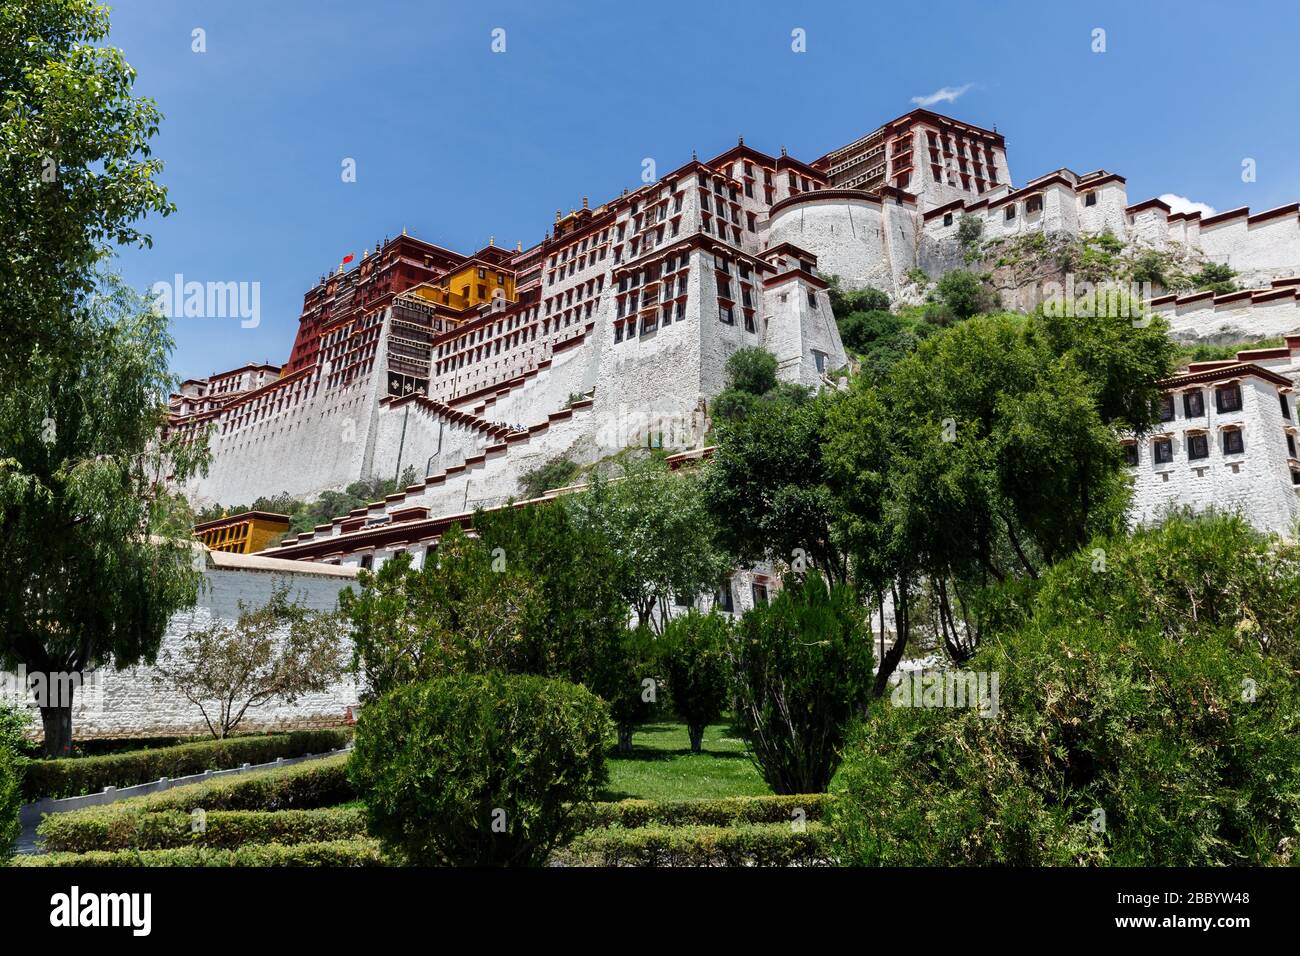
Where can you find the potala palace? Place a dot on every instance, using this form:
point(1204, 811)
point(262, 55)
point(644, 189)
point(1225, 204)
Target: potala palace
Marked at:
point(614, 331)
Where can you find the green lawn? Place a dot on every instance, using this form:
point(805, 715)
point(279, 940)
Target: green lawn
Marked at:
point(662, 767)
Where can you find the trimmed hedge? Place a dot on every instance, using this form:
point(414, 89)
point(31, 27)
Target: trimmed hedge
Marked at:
point(73, 776)
point(111, 828)
point(302, 786)
point(10, 801)
point(729, 811)
point(336, 853)
point(756, 844)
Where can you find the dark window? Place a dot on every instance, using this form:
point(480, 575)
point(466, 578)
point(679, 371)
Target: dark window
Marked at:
point(1034, 204)
point(1090, 199)
point(1130, 453)
point(1290, 445)
point(1011, 212)
point(1166, 408)
point(1286, 406)
point(724, 599)
point(1194, 404)
point(367, 560)
point(947, 219)
point(1198, 446)
point(1232, 443)
point(760, 594)
point(1162, 450)
point(1228, 398)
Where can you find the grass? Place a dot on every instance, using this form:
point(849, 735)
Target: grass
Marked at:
point(662, 767)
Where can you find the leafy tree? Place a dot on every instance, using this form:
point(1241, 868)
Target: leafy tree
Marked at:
point(846, 301)
point(276, 651)
point(462, 611)
point(577, 630)
point(694, 655)
point(659, 528)
point(989, 453)
point(81, 468)
point(802, 674)
point(752, 370)
point(479, 769)
point(751, 374)
point(77, 175)
point(555, 473)
point(964, 293)
point(1215, 277)
point(766, 488)
point(970, 230)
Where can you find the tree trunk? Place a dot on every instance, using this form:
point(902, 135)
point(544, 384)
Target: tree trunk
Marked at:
point(625, 740)
point(697, 738)
point(57, 723)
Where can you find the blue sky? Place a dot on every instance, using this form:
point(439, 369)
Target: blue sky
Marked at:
point(456, 143)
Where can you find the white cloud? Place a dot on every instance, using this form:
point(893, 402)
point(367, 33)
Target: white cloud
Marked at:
point(1179, 203)
point(945, 95)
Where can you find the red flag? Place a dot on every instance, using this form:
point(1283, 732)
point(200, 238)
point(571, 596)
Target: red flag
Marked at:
point(348, 258)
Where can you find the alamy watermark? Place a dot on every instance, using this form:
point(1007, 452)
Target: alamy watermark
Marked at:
point(83, 689)
point(209, 300)
point(977, 690)
point(1085, 300)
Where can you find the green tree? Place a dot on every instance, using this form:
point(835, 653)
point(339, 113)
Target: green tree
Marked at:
point(76, 170)
point(990, 453)
point(694, 656)
point(462, 611)
point(752, 382)
point(659, 528)
point(555, 473)
point(767, 490)
point(577, 631)
point(277, 651)
point(802, 671)
point(81, 468)
point(965, 293)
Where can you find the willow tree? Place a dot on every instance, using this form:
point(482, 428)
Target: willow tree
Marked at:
point(85, 583)
point(76, 174)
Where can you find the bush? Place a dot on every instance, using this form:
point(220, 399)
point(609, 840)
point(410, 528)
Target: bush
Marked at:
point(15, 721)
point(964, 293)
point(335, 853)
point(11, 800)
point(1142, 720)
point(114, 828)
point(724, 812)
point(694, 654)
point(803, 671)
point(631, 700)
point(763, 844)
point(317, 783)
point(70, 777)
point(479, 769)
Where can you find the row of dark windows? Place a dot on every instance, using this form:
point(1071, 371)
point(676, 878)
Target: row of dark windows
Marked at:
point(1227, 398)
point(1198, 447)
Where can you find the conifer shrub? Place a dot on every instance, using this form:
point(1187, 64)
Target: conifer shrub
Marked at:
point(802, 673)
point(1148, 715)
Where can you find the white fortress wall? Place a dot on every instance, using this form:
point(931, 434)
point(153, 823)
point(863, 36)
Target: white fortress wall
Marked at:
point(129, 703)
point(844, 230)
point(1256, 481)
